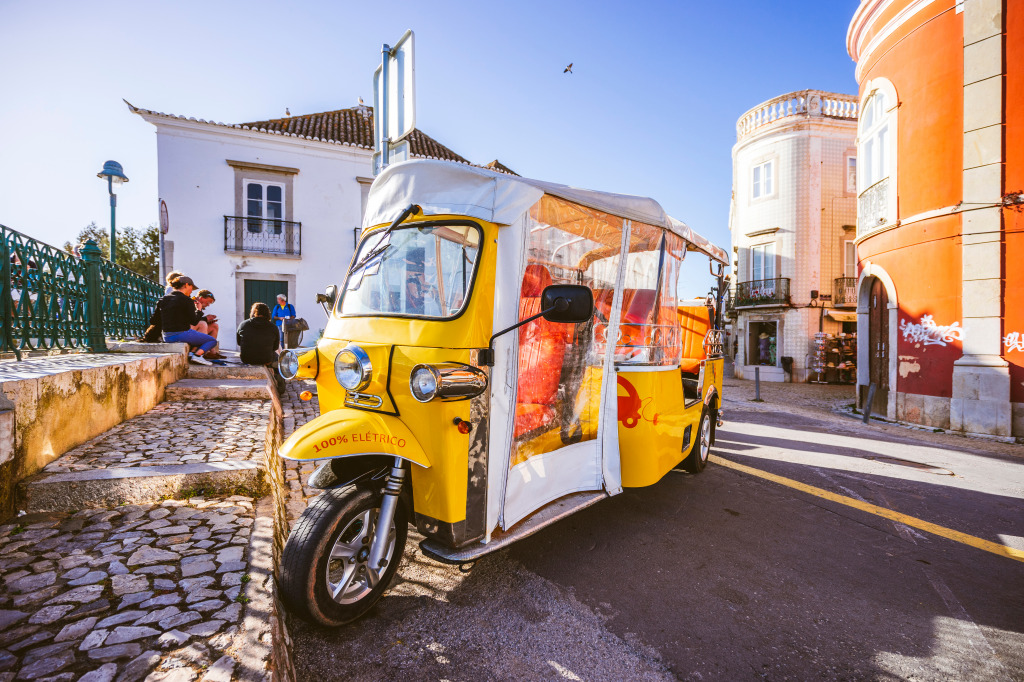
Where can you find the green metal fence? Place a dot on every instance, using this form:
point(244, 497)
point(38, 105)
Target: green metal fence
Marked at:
point(53, 299)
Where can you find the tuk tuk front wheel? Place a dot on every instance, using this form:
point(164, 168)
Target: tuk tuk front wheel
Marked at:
point(325, 575)
point(698, 457)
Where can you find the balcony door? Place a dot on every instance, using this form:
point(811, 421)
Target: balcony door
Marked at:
point(762, 262)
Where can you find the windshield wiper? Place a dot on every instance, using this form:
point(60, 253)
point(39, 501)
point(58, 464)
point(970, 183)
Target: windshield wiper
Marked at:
point(412, 209)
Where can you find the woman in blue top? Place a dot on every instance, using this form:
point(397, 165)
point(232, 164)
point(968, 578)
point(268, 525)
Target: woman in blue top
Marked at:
point(283, 311)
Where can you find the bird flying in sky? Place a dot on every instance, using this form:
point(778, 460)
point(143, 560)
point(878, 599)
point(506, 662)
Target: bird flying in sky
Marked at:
point(568, 69)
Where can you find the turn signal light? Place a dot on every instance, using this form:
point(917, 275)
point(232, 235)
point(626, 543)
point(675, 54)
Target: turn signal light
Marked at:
point(306, 395)
point(462, 425)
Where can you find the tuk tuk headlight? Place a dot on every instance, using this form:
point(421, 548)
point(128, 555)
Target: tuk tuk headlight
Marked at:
point(447, 381)
point(288, 364)
point(423, 383)
point(352, 368)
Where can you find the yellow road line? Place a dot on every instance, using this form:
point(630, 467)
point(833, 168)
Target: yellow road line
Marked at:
point(941, 531)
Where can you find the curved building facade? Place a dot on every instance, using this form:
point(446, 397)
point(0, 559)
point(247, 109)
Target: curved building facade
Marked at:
point(940, 230)
point(793, 221)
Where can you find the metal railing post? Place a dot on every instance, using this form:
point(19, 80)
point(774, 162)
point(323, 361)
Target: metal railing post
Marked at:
point(7, 306)
point(95, 339)
point(757, 384)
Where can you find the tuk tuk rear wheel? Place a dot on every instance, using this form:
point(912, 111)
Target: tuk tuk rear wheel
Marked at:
point(698, 457)
point(325, 577)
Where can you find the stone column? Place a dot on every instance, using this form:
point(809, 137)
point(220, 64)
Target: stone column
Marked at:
point(981, 378)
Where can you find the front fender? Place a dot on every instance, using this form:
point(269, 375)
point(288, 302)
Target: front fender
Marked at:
point(345, 433)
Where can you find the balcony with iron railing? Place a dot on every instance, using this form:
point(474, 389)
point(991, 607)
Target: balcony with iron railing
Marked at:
point(795, 105)
point(243, 234)
point(844, 292)
point(762, 292)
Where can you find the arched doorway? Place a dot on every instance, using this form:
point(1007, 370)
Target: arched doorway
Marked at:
point(878, 345)
point(876, 328)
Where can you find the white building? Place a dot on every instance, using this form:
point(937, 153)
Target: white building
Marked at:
point(793, 222)
point(257, 209)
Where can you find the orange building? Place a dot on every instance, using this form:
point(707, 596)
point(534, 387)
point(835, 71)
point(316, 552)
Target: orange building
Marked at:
point(940, 215)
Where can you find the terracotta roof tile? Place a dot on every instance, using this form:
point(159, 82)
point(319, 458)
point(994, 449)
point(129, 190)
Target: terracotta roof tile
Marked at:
point(353, 127)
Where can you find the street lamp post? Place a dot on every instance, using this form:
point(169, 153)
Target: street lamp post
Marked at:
point(114, 174)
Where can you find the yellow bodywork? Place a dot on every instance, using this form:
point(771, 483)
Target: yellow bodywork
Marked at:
point(354, 432)
point(439, 483)
point(653, 417)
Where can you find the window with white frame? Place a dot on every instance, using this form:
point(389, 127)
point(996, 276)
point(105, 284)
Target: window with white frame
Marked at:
point(849, 259)
point(874, 140)
point(264, 206)
point(762, 262)
point(851, 174)
point(763, 180)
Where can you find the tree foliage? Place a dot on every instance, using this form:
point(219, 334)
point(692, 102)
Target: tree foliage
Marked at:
point(137, 250)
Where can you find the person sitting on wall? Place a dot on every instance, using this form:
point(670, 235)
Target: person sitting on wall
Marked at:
point(258, 340)
point(171, 276)
point(178, 314)
point(207, 324)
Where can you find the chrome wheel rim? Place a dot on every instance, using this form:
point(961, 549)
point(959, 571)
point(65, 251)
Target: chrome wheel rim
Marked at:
point(349, 575)
point(705, 438)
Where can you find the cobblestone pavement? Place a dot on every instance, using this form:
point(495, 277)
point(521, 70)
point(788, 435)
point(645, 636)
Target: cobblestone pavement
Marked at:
point(296, 413)
point(185, 432)
point(140, 592)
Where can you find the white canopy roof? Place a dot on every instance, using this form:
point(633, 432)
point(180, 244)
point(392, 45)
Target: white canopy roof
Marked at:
point(443, 187)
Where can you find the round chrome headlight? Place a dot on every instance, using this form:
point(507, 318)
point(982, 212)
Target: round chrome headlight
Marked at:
point(423, 383)
point(288, 364)
point(352, 368)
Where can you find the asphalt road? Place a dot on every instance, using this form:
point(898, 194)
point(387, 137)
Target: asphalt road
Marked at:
point(729, 576)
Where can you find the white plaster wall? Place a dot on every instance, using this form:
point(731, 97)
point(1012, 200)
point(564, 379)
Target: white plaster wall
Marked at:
point(199, 188)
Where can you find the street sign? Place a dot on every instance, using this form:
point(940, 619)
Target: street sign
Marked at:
point(394, 98)
point(165, 224)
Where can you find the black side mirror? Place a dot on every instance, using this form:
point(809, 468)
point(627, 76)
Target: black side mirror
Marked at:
point(568, 303)
point(327, 299)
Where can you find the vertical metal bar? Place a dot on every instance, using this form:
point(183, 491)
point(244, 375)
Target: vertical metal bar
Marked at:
point(95, 340)
point(6, 303)
point(757, 383)
point(385, 144)
point(113, 222)
point(870, 402)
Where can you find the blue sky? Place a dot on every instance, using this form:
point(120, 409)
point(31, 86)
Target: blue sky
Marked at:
point(650, 109)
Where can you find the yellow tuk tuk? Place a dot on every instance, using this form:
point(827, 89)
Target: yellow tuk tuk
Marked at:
point(502, 353)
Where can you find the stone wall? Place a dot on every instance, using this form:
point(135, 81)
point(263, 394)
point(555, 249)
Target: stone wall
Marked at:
point(56, 412)
point(283, 668)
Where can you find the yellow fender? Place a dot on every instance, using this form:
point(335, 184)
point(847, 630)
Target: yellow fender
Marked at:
point(345, 432)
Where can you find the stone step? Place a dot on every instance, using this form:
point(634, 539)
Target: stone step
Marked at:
point(131, 485)
point(196, 371)
point(218, 389)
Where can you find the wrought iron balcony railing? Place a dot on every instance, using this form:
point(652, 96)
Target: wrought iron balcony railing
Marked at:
point(762, 292)
point(262, 235)
point(844, 292)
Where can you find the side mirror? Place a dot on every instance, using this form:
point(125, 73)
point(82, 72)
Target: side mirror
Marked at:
point(327, 299)
point(568, 303)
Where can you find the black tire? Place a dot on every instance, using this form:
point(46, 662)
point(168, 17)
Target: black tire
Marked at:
point(698, 457)
point(307, 567)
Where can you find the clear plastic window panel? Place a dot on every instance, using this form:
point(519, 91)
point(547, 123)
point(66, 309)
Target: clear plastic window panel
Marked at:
point(649, 318)
point(561, 365)
point(423, 271)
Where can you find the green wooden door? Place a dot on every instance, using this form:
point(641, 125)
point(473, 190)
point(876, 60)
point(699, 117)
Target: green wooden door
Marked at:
point(264, 290)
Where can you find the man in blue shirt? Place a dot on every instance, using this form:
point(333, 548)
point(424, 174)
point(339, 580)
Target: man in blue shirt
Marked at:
point(283, 311)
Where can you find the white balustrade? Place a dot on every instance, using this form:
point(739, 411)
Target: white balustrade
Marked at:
point(806, 103)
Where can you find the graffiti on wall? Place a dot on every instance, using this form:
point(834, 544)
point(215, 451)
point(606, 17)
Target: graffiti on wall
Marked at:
point(930, 334)
point(1013, 341)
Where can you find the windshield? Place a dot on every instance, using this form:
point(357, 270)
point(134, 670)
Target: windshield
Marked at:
point(422, 270)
